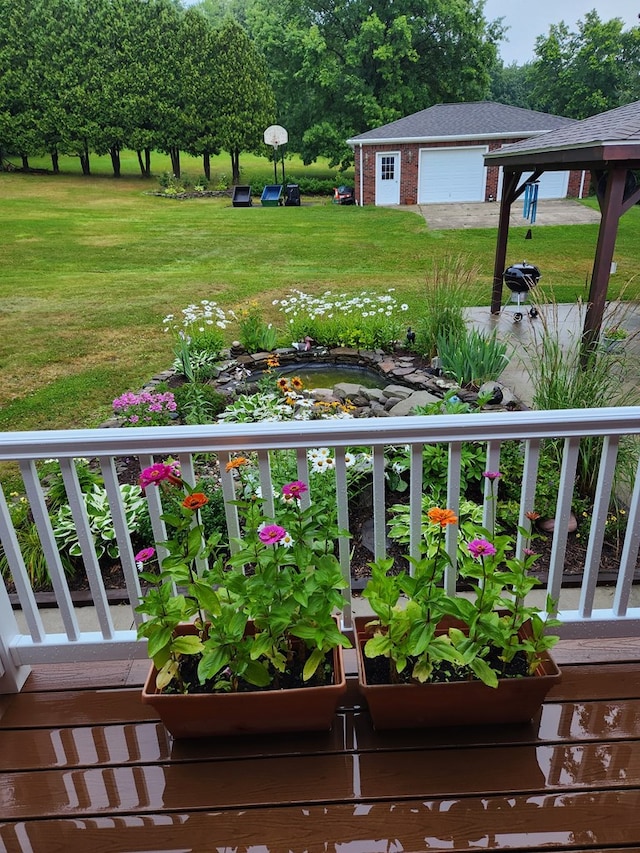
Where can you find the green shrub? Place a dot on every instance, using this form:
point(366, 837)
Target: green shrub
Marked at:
point(54, 484)
point(472, 357)
point(198, 403)
point(256, 335)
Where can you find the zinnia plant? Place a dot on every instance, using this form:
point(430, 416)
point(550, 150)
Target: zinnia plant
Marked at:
point(428, 635)
point(282, 575)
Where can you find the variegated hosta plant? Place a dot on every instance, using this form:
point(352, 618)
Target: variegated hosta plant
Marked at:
point(262, 617)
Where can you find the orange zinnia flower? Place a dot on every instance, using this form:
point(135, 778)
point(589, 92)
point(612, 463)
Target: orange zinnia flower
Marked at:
point(195, 501)
point(442, 516)
point(236, 463)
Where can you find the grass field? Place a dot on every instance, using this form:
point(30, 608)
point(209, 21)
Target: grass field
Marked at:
point(92, 265)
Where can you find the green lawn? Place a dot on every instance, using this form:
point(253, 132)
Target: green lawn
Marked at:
point(92, 265)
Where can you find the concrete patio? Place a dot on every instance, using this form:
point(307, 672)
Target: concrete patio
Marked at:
point(567, 319)
point(440, 217)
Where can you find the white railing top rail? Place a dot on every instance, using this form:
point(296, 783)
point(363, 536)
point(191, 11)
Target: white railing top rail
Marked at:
point(561, 423)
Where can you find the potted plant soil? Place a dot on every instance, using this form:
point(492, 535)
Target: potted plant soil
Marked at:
point(246, 643)
point(428, 658)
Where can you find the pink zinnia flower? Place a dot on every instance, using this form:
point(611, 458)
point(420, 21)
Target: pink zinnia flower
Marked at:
point(145, 555)
point(481, 548)
point(155, 474)
point(295, 489)
point(492, 475)
point(271, 534)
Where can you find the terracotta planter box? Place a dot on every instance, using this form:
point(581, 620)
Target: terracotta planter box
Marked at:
point(253, 712)
point(458, 703)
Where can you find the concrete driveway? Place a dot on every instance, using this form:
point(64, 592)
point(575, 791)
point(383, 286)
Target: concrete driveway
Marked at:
point(440, 217)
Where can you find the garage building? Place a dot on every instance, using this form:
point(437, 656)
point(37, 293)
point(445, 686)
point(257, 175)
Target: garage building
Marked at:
point(437, 155)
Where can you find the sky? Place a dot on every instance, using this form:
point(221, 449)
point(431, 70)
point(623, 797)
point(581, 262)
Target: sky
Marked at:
point(528, 19)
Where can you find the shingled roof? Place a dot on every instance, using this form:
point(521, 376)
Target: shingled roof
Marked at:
point(479, 119)
point(614, 135)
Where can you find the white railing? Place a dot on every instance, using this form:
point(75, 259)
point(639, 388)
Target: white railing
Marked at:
point(582, 612)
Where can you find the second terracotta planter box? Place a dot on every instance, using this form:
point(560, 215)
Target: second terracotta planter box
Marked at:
point(456, 703)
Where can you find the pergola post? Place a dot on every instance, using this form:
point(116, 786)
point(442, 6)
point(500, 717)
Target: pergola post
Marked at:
point(611, 213)
point(508, 183)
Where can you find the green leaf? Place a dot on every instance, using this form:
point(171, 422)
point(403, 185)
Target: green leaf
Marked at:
point(262, 645)
point(158, 641)
point(257, 674)
point(189, 644)
point(422, 670)
point(483, 671)
point(167, 674)
point(313, 662)
point(212, 662)
point(378, 646)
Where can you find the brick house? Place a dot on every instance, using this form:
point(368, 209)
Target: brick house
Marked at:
point(437, 155)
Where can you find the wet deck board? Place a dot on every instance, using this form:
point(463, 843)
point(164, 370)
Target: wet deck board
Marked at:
point(85, 766)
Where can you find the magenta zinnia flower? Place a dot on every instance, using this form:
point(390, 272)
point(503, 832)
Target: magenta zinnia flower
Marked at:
point(145, 555)
point(271, 534)
point(295, 489)
point(481, 548)
point(492, 475)
point(155, 474)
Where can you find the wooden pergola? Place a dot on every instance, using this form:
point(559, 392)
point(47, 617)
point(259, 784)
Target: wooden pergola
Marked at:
point(608, 146)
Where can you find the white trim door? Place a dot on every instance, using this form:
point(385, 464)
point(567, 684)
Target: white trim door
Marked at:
point(387, 177)
point(452, 174)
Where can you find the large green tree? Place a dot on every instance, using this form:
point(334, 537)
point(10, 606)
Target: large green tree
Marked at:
point(341, 67)
point(19, 112)
point(582, 73)
point(200, 80)
point(512, 84)
point(244, 102)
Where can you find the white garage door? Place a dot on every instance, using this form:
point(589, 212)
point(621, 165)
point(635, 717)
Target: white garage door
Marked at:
point(553, 185)
point(550, 184)
point(451, 174)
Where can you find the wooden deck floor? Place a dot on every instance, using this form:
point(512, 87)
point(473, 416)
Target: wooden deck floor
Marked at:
point(84, 766)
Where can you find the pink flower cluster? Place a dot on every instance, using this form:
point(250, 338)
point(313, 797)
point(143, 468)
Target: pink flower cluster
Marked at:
point(145, 409)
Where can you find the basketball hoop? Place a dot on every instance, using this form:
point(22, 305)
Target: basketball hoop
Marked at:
point(275, 135)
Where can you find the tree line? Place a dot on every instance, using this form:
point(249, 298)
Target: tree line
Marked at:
point(85, 77)
point(575, 74)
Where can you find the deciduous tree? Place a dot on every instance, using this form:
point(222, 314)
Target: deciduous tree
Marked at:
point(582, 73)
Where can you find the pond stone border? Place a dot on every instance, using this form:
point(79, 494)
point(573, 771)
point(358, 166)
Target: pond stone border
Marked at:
point(411, 382)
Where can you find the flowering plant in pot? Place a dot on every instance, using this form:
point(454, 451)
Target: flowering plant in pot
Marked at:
point(258, 624)
point(492, 642)
point(613, 336)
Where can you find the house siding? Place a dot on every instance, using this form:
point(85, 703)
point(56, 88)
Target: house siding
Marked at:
point(410, 158)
